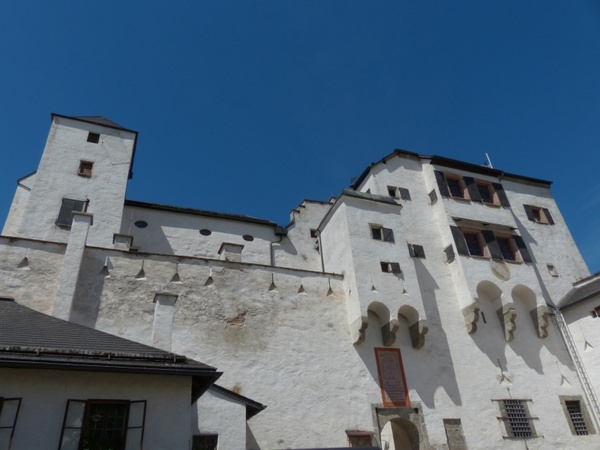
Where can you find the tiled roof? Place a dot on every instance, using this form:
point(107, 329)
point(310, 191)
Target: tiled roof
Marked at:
point(31, 339)
point(582, 290)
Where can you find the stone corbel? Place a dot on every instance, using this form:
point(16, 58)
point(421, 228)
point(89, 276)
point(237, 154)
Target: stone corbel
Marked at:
point(358, 328)
point(471, 315)
point(417, 331)
point(540, 320)
point(507, 316)
point(388, 332)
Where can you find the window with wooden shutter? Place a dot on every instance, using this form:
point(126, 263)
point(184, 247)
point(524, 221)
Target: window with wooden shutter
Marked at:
point(538, 215)
point(67, 208)
point(416, 251)
point(390, 267)
point(380, 233)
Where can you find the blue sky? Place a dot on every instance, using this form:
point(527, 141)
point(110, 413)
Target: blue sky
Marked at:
point(249, 107)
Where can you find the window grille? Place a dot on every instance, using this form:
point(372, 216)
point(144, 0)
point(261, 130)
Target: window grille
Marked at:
point(517, 419)
point(574, 409)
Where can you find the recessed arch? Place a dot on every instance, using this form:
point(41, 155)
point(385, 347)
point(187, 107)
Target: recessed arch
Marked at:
point(388, 325)
point(417, 326)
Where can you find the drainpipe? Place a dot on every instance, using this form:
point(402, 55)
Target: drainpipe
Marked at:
point(588, 389)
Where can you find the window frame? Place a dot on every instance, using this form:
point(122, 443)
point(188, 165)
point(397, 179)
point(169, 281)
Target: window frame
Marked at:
point(202, 445)
point(65, 210)
point(12, 427)
point(390, 267)
point(538, 214)
point(514, 419)
point(488, 241)
point(380, 233)
point(460, 184)
point(93, 138)
point(85, 169)
point(470, 189)
point(77, 423)
point(480, 242)
point(584, 416)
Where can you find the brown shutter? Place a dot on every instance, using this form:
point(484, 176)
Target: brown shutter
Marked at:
point(473, 189)
point(522, 249)
point(459, 240)
point(492, 245)
point(501, 195)
point(529, 212)
point(441, 181)
point(548, 216)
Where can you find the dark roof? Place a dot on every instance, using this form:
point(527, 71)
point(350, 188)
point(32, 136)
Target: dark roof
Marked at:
point(448, 162)
point(31, 339)
point(98, 120)
point(582, 290)
point(200, 212)
point(252, 407)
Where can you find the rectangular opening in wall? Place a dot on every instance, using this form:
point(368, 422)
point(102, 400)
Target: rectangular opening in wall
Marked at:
point(576, 416)
point(85, 169)
point(205, 442)
point(380, 233)
point(94, 138)
point(517, 421)
point(393, 191)
point(67, 208)
point(390, 267)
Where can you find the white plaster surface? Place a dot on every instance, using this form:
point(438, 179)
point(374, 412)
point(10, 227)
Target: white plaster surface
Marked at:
point(283, 333)
point(45, 393)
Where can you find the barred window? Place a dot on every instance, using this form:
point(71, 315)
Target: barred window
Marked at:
point(518, 422)
point(578, 418)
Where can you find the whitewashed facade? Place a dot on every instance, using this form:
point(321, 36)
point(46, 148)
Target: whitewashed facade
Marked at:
point(448, 265)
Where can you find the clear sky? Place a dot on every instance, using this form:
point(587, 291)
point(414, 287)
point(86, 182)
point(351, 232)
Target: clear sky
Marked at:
point(249, 107)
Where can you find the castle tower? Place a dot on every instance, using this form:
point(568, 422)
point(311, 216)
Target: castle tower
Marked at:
point(84, 168)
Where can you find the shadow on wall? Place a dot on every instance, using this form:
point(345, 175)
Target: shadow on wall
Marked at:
point(517, 325)
point(439, 363)
point(427, 368)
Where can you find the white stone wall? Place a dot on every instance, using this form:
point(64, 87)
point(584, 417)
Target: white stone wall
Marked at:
point(45, 393)
point(56, 178)
point(214, 413)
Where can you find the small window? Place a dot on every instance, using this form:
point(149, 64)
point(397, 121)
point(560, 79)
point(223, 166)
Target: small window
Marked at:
point(141, 224)
point(313, 233)
point(390, 267)
point(578, 418)
point(103, 424)
point(517, 421)
point(433, 197)
point(205, 232)
point(416, 251)
point(486, 192)
point(474, 244)
point(450, 255)
point(455, 186)
point(552, 270)
point(85, 169)
point(205, 442)
point(538, 215)
point(68, 207)
point(360, 438)
point(380, 233)
point(9, 412)
point(248, 237)
point(94, 138)
point(393, 191)
point(506, 248)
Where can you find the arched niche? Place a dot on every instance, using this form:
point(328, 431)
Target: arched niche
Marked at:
point(387, 324)
point(399, 434)
point(539, 313)
point(488, 291)
point(417, 326)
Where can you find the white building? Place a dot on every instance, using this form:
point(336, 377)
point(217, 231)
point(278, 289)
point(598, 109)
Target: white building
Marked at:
point(408, 312)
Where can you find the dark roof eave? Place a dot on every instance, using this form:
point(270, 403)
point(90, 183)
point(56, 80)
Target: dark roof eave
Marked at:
point(252, 407)
point(105, 366)
point(200, 212)
point(451, 163)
